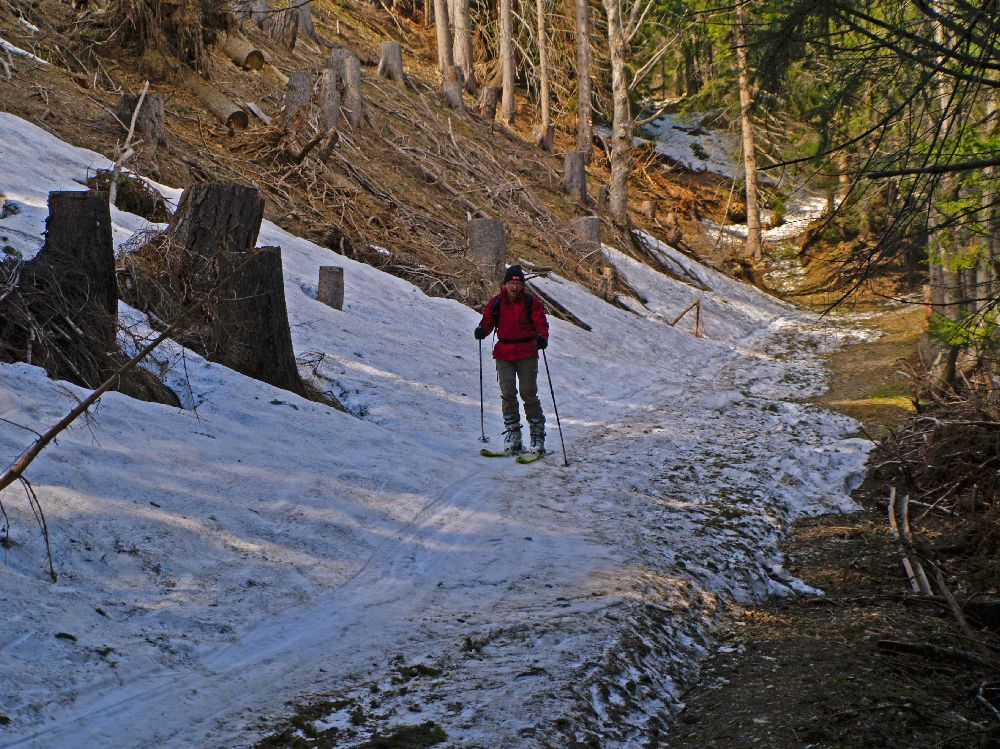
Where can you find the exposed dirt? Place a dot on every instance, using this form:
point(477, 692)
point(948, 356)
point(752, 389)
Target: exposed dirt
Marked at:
point(810, 671)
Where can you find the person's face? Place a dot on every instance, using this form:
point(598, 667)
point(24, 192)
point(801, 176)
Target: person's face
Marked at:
point(515, 287)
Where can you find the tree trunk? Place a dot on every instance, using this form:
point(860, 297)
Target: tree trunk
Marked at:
point(285, 27)
point(587, 230)
point(546, 134)
point(488, 100)
point(754, 244)
point(348, 70)
point(575, 176)
point(446, 57)
point(621, 127)
point(390, 64)
point(584, 117)
point(452, 87)
point(463, 45)
point(507, 60)
point(298, 100)
point(488, 248)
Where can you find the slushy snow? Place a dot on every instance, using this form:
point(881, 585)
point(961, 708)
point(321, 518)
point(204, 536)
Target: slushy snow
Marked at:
point(253, 549)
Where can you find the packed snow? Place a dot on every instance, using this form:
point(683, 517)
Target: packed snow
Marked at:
point(253, 550)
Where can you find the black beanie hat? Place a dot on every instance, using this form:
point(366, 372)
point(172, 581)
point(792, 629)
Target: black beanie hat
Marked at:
point(513, 271)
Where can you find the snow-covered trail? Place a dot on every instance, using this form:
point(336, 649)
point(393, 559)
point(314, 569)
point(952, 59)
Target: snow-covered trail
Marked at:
point(219, 563)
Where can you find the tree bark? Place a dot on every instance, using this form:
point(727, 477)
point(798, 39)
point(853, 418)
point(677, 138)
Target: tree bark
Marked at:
point(463, 45)
point(452, 87)
point(507, 60)
point(446, 57)
point(328, 100)
point(488, 248)
point(150, 121)
point(584, 117)
point(298, 100)
point(587, 230)
point(242, 53)
point(330, 290)
point(219, 104)
point(390, 64)
point(488, 100)
point(546, 131)
point(754, 244)
point(621, 127)
point(574, 175)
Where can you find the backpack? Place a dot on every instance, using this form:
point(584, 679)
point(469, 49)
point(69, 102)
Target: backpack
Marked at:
point(529, 302)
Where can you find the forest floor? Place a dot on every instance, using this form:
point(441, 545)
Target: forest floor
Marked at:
point(809, 672)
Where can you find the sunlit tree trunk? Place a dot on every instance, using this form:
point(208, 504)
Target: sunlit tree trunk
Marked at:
point(445, 56)
point(754, 246)
point(544, 140)
point(584, 124)
point(463, 44)
point(621, 126)
point(507, 60)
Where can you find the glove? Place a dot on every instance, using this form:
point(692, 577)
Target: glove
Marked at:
point(479, 333)
point(542, 342)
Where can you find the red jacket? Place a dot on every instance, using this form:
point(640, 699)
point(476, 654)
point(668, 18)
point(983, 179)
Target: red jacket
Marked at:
point(516, 330)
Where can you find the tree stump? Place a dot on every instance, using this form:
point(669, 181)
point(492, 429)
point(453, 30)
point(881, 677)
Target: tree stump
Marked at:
point(330, 290)
point(603, 198)
point(284, 28)
point(218, 104)
point(328, 100)
point(453, 86)
point(608, 283)
point(348, 70)
point(242, 53)
point(298, 99)
point(390, 64)
point(252, 314)
point(672, 230)
point(587, 229)
point(545, 137)
point(488, 249)
point(574, 175)
point(648, 209)
point(489, 98)
point(150, 121)
point(207, 255)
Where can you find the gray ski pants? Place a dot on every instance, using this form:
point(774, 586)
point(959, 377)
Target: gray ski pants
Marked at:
point(523, 372)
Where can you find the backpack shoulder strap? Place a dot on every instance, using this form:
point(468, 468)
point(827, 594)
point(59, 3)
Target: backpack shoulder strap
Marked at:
point(495, 309)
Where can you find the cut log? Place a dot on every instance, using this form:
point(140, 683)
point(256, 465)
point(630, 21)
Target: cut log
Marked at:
point(574, 175)
point(242, 53)
point(452, 86)
point(281, 77)
point(150, 121)
point(489, 98)
point(587, 229)
point(390, 64)
point(331, 286)
point(556, 309)
point(488, 250)
point(328, 100)
point(298, 98)
point(218, 104)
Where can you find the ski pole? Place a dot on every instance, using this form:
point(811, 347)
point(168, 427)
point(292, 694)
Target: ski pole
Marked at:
point(482, 410)
point(555, 407)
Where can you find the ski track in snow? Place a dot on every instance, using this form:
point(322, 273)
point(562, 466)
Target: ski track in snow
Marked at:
point(219, 563)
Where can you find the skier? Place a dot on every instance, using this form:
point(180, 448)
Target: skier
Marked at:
point(519, 320)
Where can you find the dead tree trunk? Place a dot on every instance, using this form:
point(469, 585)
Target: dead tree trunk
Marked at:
point(546, 131)
point(209, 251)
point(390, 64)
point(584, 135)
point(298, 100)
point(218, 104)
point(754, 245)
point(574, 175)
point(488, 248)
point(242, 53)
point(507, 60)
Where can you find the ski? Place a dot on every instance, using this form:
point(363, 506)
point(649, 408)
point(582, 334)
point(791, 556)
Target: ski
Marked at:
point(494, 454)
point(530, 458)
